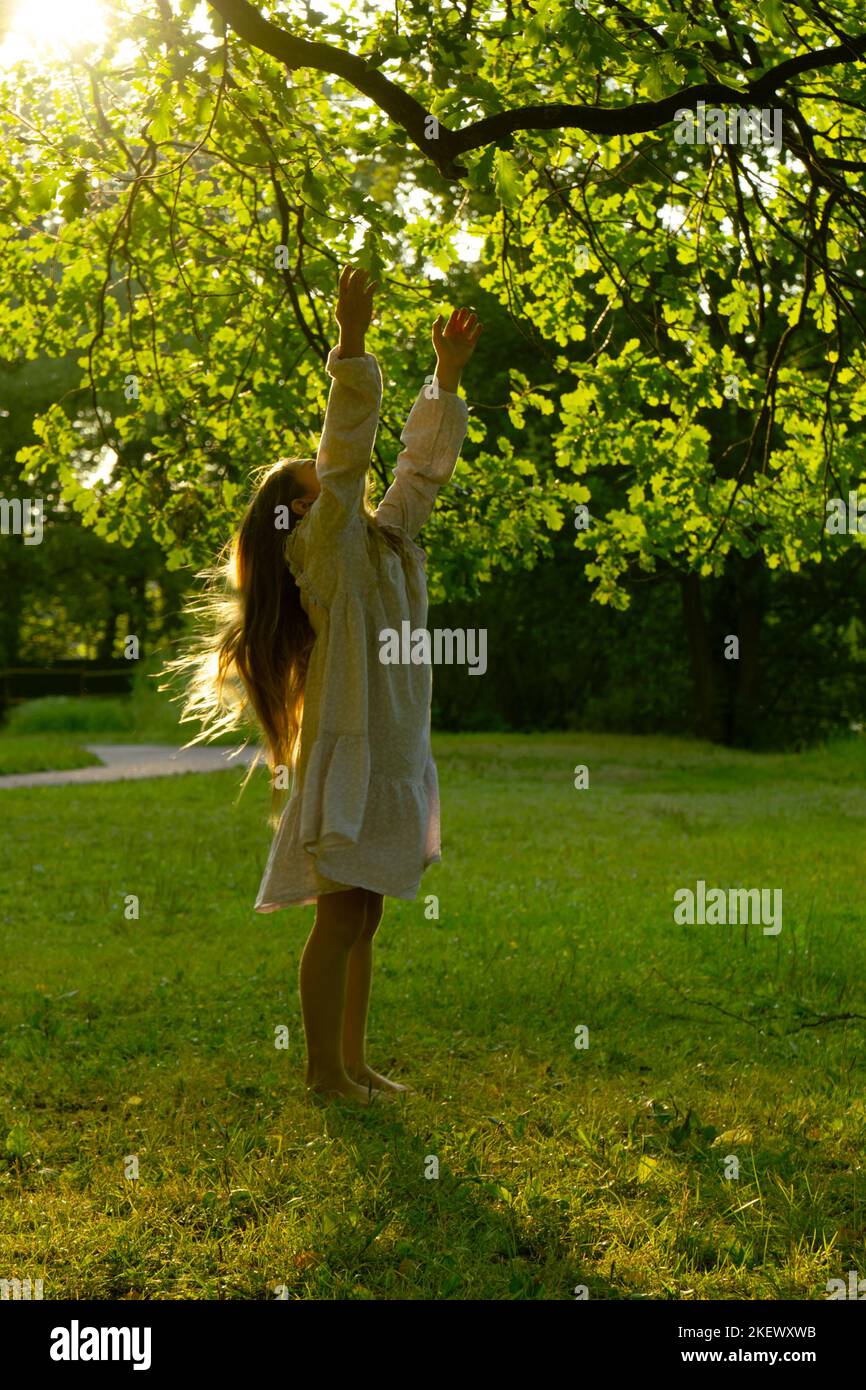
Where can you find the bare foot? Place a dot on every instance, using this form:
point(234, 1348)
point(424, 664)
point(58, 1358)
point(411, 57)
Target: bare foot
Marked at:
point(343, 1087)
point(367, 1076)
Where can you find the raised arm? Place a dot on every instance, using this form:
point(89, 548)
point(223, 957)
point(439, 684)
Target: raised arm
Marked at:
point(433, 434)
point(352, 415)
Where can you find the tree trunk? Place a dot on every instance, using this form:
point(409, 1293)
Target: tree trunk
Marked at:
point(750, 613)
point(708, 723)
point(105, 648)
point(12, 609)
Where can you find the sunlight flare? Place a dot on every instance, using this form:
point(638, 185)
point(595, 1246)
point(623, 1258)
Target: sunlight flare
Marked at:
point(50, 29)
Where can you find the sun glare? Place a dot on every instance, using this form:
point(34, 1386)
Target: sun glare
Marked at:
point(50, 29)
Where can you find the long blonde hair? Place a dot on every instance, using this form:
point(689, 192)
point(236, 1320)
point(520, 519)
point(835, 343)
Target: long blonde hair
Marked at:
point(248, 659)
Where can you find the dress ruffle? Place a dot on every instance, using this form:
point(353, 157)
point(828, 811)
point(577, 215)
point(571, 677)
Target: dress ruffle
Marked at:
point(333, 798)
point(365, 850)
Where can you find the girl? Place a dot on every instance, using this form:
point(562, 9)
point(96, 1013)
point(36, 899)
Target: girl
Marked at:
point(301, 648)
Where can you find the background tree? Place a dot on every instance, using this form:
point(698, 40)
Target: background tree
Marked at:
point(690, 314)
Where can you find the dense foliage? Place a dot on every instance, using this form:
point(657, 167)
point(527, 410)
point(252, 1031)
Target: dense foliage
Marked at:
point(675, 371)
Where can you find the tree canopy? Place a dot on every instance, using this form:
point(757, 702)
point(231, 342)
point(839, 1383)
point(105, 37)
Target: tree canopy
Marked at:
point(677, 370)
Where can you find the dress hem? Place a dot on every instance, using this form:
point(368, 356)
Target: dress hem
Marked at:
point(309, 899)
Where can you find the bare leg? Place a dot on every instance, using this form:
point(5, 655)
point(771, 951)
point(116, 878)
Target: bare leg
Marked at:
point(359, 978)
point(340, 919)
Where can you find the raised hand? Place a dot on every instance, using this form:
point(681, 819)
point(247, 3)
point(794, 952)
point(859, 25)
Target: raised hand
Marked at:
point(354, 309)
point(454, 342)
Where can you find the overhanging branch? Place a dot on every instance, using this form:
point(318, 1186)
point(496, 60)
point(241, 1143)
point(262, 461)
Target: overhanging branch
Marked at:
point(444, 146)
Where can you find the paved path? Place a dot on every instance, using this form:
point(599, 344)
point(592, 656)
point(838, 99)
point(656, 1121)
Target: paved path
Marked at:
point(124, 762)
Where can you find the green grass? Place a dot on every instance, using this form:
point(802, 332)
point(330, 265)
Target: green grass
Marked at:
point(557, 1167)
point(49, 734)
point(89, 715)
point(42, 753)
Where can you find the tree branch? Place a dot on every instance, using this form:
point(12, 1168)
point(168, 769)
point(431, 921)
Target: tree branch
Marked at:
point(295, 52)
point(443, 146)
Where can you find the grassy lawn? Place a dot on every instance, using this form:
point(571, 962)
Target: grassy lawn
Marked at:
point(50, 734)
point(558, 1167)
point(42, 753)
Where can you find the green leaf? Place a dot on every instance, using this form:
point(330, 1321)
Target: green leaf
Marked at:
point(43, 193)
point(17, 1144)
point(653, 81)
point(508, 179)
point(646, 1168)
point(74, 200)
point(773, 16)
point(161, 124)
point(737, 305)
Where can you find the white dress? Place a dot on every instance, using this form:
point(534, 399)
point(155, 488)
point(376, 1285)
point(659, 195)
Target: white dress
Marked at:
point(364, 806)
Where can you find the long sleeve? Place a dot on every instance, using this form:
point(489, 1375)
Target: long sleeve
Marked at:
point(342, 460)
point(432, 439)
point(349, 431)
